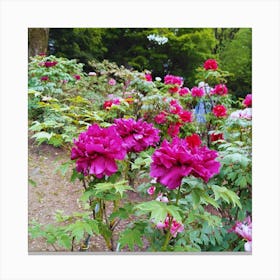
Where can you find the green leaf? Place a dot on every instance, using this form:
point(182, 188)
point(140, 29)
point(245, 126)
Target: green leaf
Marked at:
point(63, 168)
point(42, 136)
point(119, 187)
point(65, 241)
point(32, 183)
point(130, 237)
point(195, 196)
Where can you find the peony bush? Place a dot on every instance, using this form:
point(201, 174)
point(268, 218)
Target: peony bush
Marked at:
point(186, 154)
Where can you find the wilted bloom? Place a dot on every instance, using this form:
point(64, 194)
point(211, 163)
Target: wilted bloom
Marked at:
point(97, 150)
point(77, 77)
point(244, 229)
point(175, 226)
point(108, 104)
point(137, 135)
point(248, 100)
point(148, 77)
point(92, 74)
point(243, 114)
point(185, 116)
point(183, 91)
point(177, 159)
point(210, 64)
point(44, 78)
point(151, 190)
point(196, 91)
point(216, 136)
point(160, 118)
point(220, 89)
point(112, 82)
point(162, 198)
point(193, 140)
point(219, 111)
point(50, 63)
point(174, 129)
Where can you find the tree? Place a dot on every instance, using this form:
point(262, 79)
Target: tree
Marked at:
point(37, 41)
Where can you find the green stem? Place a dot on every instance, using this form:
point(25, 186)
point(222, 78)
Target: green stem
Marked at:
point(178, 195)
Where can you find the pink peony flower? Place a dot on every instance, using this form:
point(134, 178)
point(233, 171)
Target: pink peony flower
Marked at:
point(248, 100)
point(162, 198)
point(175, 227)
point(109, 103)
point(174, 129)
point(160, 118)
point(242, 114)
point(210, 64)
point(137, 135)
point(92, 74)
point(219, 111)
point(173, 80)
point(171, 162)
point(97, 150)
point(44, 78)
point(112, 82)
point(175, 107)
point(216, 136)
point(244, 229)
point(193, 140)
point(185, 116)
point(151, 190)
point(148, 77)
point(196, 91)
point(220, 89)
point(184, 91)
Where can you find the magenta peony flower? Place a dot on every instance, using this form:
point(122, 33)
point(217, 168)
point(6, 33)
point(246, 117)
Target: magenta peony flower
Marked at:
point(160, 118)
point(196, 91)
point(173, 161)
point(97, 150)
point(220, 89)
point(77, 77)
point(148, 77)
point(151, 190)
point(210, 64)
point(184, 91)
point(112, 82)
point(248, 100)
point(219, 111)
point(175, 107)
point(137, 135)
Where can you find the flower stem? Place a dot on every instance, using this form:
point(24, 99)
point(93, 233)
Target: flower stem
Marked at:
point(178, 195)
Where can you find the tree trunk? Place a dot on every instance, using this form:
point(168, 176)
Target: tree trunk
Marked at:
point(37, 41)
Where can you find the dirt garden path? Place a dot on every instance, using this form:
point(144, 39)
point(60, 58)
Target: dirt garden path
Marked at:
point(51, 192)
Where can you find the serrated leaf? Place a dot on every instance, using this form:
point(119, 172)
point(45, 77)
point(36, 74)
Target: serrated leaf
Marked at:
point(130, 237)
point(65, 241)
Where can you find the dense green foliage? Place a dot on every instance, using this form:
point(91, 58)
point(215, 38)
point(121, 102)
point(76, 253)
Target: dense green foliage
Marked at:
point(161, 50)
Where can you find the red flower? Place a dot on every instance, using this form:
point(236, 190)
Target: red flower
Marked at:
point(108, 104)
point(176, 108)
point(185, 116)
point(220, 89)
point(77, 77)
point(44, 78)
point(215, 137)
point(174, 129)
point(50, 63)
point(210, 64)
point(219, 111)
point(193, 140)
